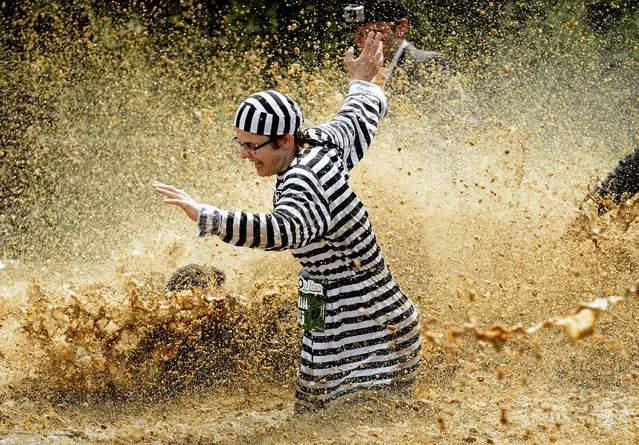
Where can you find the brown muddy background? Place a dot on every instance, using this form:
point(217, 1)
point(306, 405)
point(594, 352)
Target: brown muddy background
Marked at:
point(476, 221)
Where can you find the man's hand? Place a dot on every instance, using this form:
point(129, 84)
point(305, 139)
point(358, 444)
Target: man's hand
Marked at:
point(177, 197)
point(367, 65)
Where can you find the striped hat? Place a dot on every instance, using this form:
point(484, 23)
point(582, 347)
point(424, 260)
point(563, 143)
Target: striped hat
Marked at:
point(269, 113)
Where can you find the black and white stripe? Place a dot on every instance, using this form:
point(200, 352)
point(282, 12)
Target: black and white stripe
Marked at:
point(269, 113)
point(372, 330)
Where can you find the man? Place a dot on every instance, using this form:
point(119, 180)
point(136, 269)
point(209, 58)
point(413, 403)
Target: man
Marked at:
point(194, 276)
point(388, 17)
point(410, 70)
point(360, 331)
point(622, 181)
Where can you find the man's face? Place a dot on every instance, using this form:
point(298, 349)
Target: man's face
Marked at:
point(392, 35)
point(268, 160)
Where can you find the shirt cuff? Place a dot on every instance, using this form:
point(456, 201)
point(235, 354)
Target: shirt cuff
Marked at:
point(209, 221)
point(363, 87)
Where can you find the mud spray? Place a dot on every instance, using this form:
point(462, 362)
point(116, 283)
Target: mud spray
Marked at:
point(529, 306)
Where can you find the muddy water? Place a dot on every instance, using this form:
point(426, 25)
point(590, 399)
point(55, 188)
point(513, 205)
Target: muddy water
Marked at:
point(477, 222)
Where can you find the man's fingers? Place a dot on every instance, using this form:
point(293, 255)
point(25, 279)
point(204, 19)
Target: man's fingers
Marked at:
point(170, 194)
point(170, 190)
point(348, 55)
point(379, 56)
point(372, 49)
point(378, 46)
point(366, 50)
point(176, 202)
point(378, 38)
point(159, 185)
point(167, 192)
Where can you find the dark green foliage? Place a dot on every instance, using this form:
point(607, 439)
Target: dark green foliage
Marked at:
point(292, 29)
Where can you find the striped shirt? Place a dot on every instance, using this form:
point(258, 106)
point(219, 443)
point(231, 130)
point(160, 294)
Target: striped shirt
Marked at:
point(318, 216)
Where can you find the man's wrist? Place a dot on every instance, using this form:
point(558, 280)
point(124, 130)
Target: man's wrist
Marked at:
point(364, 87)
point(209, 220)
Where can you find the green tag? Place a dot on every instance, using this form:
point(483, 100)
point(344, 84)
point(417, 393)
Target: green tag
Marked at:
point(310, 304)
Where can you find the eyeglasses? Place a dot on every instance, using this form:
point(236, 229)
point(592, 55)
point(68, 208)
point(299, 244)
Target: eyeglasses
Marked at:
point(252, 148)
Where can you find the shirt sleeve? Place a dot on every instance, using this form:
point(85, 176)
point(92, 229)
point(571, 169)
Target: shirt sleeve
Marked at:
point(354, 127)
point(300, 216)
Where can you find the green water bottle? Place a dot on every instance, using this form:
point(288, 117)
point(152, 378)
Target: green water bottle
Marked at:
point(311, 303)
